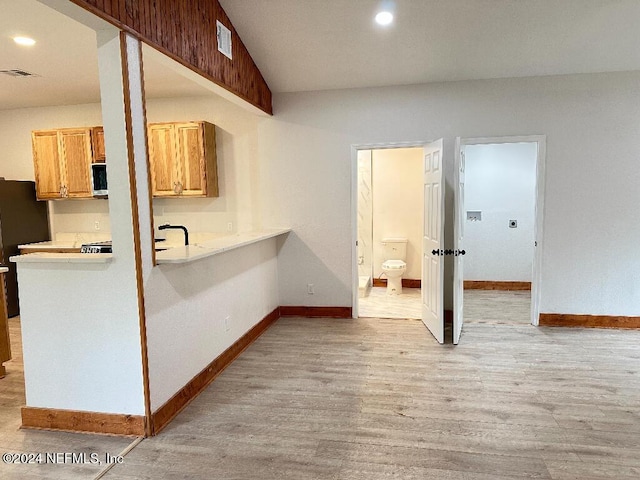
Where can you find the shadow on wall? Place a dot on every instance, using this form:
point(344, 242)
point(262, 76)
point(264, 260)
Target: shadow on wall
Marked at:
point(327, 286)
point(183, 281)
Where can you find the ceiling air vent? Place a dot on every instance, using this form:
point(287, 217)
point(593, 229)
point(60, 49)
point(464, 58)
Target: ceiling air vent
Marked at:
point(16, 72)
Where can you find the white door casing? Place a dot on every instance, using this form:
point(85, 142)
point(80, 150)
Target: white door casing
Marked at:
point(432, 241)
point(458, 244)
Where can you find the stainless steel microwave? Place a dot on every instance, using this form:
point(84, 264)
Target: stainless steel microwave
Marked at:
point(99, 179)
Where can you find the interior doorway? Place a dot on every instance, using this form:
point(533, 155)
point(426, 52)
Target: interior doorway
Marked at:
point(389, 232)
point(499, 198)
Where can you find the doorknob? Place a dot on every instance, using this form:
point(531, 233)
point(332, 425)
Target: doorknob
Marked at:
point(448, 252)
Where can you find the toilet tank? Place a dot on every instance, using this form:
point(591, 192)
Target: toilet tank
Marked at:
point(395, 248)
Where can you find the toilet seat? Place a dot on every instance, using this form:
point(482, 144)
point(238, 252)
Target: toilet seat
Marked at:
point(394, 265)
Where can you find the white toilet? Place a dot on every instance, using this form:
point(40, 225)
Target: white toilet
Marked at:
point(395, 253)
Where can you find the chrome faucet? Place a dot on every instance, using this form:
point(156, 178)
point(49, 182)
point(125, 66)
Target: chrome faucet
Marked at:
point(184, 229)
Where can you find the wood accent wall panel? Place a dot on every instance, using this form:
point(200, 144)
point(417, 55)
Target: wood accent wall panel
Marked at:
point(186, 32)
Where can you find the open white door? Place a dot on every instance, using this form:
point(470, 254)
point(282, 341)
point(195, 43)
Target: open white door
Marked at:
point(458, 244)
point(432, 241)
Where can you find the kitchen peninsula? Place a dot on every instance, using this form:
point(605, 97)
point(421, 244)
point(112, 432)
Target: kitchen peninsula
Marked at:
point(64, 252)
point(199, 300)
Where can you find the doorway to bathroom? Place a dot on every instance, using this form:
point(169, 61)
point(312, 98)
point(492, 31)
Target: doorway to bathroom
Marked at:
point(390, 211)
point(499, 205)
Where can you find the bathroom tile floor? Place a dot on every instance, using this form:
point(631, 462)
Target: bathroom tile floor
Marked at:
point(380, 305)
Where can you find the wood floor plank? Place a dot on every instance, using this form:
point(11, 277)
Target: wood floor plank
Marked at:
point(380, 399)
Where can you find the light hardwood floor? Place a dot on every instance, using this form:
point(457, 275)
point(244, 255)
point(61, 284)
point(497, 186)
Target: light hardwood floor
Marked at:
point(380, 399)
point(497, 307)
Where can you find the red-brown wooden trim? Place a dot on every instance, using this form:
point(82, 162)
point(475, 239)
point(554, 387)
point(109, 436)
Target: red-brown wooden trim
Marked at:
point(302, 311)
point(186, 32)
point(78, 421)
point(406, 282)
point(191, 390)
point(493, 285)
point(133, 188)
point(589, 321)
point(148, 162)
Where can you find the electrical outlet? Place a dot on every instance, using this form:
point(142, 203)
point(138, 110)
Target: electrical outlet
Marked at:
point(96, 225)
point(226, 323)
point(310, 289)
point(230, 227)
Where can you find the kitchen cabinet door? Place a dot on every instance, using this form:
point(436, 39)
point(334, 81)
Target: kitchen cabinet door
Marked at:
point(162, 154)
point(97, 139)
point(182, 159)
point(76, 153)
point(190, 160)
point(46, 164)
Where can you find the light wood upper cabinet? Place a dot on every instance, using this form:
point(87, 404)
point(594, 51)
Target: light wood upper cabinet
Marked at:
point(182, 158)
point(76, 160)
point(62, 162)
point(162, 154)
point(46, 162)
point(99, 153)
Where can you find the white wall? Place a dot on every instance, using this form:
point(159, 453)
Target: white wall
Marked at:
point(81, 348)
point(186, 306)
point(236, 139)
point(500, 182)
point(398, 205)
point(236, 146)
point(591, 123)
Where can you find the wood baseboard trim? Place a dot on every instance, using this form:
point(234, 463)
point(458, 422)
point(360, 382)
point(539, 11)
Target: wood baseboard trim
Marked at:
point(80, 421)
point(406, 282)
point(493, 285)
point(313, 312)
point(161, 417)
point(588, 321)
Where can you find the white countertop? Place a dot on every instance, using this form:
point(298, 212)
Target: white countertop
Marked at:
point(68, 240)
point(4, 269)
point(174, 254)
point(190, 253)
point(44, 257)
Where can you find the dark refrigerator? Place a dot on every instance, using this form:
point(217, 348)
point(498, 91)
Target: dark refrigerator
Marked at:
point(23, 219)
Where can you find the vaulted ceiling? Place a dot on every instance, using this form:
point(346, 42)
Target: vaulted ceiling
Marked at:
point(315, 45)
point(302, 45)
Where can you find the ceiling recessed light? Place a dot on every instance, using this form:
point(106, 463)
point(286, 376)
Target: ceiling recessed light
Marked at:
point(26, 41)
point(384, 18)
